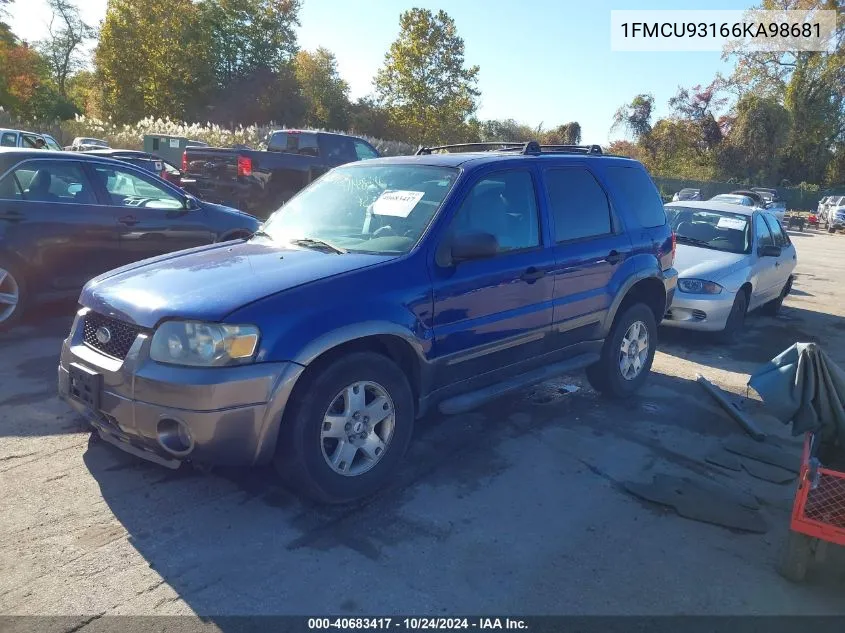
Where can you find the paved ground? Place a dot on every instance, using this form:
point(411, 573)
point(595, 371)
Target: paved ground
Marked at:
point(517, 508)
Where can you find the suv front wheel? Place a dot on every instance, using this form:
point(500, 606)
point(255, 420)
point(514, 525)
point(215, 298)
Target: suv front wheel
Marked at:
point(627, 354)
point(347, 429)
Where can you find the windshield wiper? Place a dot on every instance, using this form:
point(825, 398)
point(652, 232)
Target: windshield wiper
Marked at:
point(691, 240)
point(310, 242)
point(260, 233)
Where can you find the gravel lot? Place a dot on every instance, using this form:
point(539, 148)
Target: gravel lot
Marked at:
point(516, 508)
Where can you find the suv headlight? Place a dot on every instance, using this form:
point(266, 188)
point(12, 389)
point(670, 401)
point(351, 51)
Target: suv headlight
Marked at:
point(198, 344)
point(699, 286)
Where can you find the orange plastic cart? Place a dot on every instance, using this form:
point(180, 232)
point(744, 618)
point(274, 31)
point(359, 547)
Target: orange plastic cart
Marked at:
point(818, 515)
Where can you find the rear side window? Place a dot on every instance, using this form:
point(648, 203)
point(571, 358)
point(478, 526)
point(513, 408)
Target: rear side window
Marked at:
point(578, 204)
point(339, 149)
point(640, 195)
point(9, 139)
point(294, 143)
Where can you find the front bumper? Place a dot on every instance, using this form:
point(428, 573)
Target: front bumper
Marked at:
point(670, 284)
point(699, 312)
point(231, 414)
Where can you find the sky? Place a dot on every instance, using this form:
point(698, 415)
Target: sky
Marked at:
point(542, 61)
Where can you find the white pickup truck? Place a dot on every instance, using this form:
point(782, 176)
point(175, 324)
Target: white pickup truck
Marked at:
point(22, 138)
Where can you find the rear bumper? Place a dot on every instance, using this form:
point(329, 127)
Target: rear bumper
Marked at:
point(230, 415)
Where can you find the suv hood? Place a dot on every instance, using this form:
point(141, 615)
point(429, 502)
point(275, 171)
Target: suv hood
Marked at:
point(209, 282)
point(705, 263)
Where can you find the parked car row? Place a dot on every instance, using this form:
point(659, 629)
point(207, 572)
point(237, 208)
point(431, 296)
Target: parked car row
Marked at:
point(831, 212)
point(756, 197)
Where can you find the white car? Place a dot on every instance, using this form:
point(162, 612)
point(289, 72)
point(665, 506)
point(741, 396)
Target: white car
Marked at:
point(730, 259)
point(834, 213)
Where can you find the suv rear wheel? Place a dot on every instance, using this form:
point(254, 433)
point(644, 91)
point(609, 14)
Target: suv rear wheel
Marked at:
point(627, 354)
point(347, 429)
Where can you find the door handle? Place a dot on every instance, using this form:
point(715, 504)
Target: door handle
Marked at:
point(128, 220)
point(532, 274)
point(777, 264)
point(613, 258)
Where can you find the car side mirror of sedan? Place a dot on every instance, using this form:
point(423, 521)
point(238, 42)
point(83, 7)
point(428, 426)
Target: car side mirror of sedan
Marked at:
point(769, 251)
point(473, 245)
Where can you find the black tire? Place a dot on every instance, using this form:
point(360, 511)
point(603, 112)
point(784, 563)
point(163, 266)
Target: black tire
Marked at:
point(830, 229)
point(13, 272)
point(605, 375)
point(736, 319)
point(299, 455)
point(773, 308)
point(796, 557)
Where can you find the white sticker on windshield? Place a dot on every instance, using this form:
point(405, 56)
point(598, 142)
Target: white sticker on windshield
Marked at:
point(737, 224)
point(397, 203)
point(174, 142)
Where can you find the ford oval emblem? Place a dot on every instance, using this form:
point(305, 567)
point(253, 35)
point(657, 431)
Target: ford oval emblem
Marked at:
point(103, 334)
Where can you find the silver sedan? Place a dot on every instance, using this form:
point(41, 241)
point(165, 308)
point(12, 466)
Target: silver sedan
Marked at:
point(730, 260)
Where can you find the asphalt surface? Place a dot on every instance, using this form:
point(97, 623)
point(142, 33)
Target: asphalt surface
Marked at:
point(519, 507)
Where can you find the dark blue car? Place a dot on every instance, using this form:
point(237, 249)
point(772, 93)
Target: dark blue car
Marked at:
point(67, 217)
point(385, 289)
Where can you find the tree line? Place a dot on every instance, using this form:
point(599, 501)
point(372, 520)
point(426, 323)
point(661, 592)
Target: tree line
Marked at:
point(785, 124)
point(777, 119)
point(233, 62)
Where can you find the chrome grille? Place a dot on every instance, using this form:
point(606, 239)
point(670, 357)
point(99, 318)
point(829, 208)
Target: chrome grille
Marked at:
point(122, 335)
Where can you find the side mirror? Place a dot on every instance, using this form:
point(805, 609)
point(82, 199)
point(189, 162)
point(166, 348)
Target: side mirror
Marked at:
point(769, 251)
point(190, 203)
point(473, 245)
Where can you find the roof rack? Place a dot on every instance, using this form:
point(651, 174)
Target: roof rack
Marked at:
point(531, 147)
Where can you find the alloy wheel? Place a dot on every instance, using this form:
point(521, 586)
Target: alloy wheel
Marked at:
point(633, 352)
point(9, 294)
point(357, 428)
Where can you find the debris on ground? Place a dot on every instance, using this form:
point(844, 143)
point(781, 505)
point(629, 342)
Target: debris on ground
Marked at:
point(766, 453)
point(703, 502)
point(732, 409)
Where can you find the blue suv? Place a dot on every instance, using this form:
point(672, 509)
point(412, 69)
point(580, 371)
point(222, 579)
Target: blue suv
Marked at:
point(383, 290)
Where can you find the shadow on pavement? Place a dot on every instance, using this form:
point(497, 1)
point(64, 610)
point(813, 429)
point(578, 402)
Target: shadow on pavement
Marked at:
point(238, 542)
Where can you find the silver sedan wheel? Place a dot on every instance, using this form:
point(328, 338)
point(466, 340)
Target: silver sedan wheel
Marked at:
point(9, 294)
point(357, 428)
point(634, 350)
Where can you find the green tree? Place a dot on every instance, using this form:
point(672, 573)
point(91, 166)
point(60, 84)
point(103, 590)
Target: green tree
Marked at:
point(247, 35)
point(151, 59)
point(635, 117)
point(424, 84)
point(369, 118)
point(63, 48)
point(759, 130)
point(325, 93)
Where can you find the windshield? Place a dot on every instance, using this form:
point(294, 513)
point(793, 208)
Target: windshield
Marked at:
point(731, 199)
point(381, 209)
point(705, 228)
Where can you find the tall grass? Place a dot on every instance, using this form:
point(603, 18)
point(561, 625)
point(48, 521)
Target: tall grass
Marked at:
point(126, 136)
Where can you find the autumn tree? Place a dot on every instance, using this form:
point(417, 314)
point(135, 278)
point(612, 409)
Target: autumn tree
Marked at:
point(325, 93)
point(63, 47)
point(635, 117)
point(425, 86)
point(151, 59)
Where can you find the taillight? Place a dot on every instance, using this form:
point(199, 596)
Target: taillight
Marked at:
point(244, 166)
point(185, 161)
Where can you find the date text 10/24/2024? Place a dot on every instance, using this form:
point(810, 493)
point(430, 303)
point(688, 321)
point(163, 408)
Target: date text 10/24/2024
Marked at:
point(416, 623)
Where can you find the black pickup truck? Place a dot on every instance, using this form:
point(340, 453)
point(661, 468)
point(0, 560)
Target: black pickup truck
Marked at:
point(261, 181)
